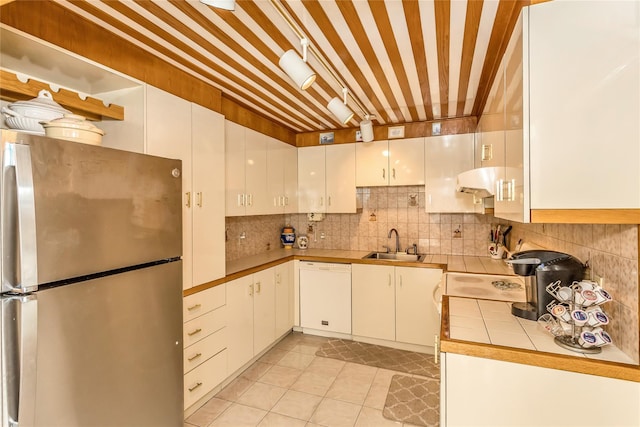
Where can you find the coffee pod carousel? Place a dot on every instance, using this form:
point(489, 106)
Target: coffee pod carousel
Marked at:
point(576, 317)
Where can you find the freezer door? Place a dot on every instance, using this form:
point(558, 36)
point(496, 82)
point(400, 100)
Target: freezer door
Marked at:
point(96, 209)
point(109, 353)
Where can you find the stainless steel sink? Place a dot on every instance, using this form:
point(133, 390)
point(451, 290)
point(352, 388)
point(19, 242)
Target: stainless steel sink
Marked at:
point(399, 256)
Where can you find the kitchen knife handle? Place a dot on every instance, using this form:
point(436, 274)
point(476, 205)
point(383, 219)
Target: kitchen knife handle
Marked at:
point(19, 244)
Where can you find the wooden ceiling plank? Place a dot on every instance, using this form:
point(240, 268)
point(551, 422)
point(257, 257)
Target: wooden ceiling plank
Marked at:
point(471, 26)
point(144, 40)
point(321, 19)
point(381, 16)
point(443, 22)
point(414, 24)
point(505, 21)
point(237, 78)
point(352, 18)
point(274, 32)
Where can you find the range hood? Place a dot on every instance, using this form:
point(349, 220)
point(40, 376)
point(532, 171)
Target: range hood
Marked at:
point(480, 181)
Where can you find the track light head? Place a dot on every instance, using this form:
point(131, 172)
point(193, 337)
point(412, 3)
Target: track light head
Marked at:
point(366, 129)
point(297, 70)
point(340, 110)
point(221, 4)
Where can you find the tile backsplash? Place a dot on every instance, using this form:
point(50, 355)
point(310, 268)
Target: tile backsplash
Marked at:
point(611, 250)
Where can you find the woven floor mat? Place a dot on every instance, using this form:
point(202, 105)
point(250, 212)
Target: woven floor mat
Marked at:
point(380, 357)
point(413, 400)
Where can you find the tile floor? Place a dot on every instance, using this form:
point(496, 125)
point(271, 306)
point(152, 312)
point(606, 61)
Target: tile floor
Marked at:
point(290, 386)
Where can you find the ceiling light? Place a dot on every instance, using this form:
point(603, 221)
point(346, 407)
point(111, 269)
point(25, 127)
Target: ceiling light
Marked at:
point(366, 129)
point(339, 107)
point(298, 69)
point(221, 4)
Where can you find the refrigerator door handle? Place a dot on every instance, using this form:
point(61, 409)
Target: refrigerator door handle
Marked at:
point(19, 358)
point(19, 268)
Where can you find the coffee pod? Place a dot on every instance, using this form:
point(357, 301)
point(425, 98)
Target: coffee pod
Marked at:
point(602, 296)
point(579, 317)
point(561, 312)
point(593, 309)
point(602, 338)
point(564, 294)
point(587, 285)
point(587, 339)
point(587, 298)
point(597, 318)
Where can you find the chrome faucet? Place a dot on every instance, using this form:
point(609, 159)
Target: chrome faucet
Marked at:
point(397, 239)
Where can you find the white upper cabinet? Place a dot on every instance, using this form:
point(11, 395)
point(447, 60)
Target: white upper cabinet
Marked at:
point(181, 130)
point(258, 176)
point(372, 164)
point(584, 104)
point(326, 179)
point(255, 151)
point(311, 179)
point(568, 137)
point(234, 169)
point(394, 162)
point(282, 177)
point(445, 157)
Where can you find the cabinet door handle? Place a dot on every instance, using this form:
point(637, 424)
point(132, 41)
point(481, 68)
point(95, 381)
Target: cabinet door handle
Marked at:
point(198, 384)
point(257, 287)
point(188, 195)
point(383, 174)
point(251, 290)
point(250, 200)
point(400, 277)
point(194, 357)
point(329, 201)
point(278, 278)
point(199, 197)
point(286, 200)
point(389, 279)
point(321, 201)
point(193, 307)
point(240, 199)
point(192, 333)
point(394, 173)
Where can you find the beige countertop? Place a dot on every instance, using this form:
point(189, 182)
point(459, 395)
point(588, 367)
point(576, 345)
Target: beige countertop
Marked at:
point(458, 263)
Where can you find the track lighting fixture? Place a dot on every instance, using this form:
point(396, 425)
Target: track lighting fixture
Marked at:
point(221, 4)
point(339, 107)
point(297, 69)
point(366, 129)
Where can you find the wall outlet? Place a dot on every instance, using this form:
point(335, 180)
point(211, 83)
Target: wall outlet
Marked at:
point(395, 132)
point(457, 233)
point(315, 216)
point(436, 128)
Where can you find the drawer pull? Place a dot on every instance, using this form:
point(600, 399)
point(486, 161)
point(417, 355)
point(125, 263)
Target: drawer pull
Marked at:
point(193, 307)
point(194, 357)
point(192, 333)
point(198, 384)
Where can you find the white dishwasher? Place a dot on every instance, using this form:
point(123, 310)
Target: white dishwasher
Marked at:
point(325, 296)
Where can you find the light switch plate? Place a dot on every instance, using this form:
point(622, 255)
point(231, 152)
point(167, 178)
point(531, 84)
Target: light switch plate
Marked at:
point(395, 132)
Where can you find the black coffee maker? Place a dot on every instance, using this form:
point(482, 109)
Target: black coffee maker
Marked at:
point(540, 268)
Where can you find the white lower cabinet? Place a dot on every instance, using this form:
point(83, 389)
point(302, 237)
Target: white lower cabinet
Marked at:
point(393, 303)
point(205, 343)
point(284, 298)
point(484, 392)
point(259, 310)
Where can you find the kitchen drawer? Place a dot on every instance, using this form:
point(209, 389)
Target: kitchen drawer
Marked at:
point(196, 354)
point(202, 302)
point(203, 326)
point(204, 378)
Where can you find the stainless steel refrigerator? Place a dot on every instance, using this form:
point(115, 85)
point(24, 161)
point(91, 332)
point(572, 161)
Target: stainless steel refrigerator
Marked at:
point(91, 303)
